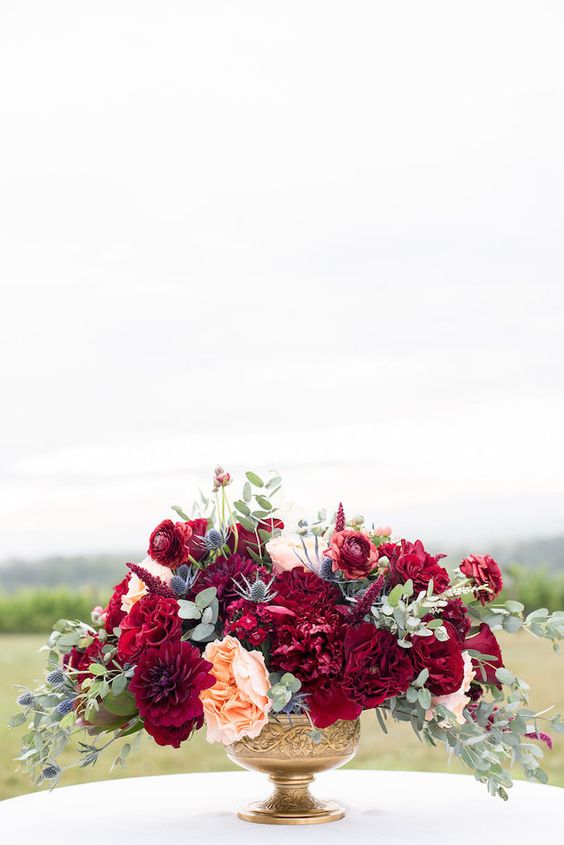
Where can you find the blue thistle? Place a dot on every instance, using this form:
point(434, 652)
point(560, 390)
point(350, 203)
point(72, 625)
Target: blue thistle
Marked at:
point(64, 707)
point(258, 591)
point(183, 571)
point(26, 699)
point(326, 569)
point(56, 678)
point(179, 585)
point(214, 539)
point(50, 772)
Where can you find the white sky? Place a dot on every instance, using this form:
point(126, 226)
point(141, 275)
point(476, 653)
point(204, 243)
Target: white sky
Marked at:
point(322, 237)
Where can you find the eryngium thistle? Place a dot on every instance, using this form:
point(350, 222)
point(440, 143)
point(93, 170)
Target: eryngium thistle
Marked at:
point(56, 678)
point(26, 699)
point(50, 772)
point(258, 591)
point(64, 707)
point(179, 585)
point(214, 539)
point(326, 569)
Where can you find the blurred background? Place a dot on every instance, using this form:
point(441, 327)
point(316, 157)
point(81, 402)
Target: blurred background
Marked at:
point(319, 237)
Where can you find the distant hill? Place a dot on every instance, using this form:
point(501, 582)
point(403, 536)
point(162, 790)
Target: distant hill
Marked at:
point(103, 571)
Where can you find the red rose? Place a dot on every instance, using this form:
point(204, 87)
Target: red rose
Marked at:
point(250, 540)
point(485, 642)
point(196, 545)
point(166, 684)
point(484, 572)
point(443, 659)
point(411, 561)
point(114, 613)
point(152, 621)
point(353, 553)
point(376, 667)
point(169, 543)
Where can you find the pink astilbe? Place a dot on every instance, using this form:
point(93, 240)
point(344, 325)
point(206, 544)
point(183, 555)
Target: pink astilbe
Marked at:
point(363, 605)
point(340, 518)
point(153, 584)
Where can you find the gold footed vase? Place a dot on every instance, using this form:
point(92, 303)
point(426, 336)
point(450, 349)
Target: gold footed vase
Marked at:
point(286, 751)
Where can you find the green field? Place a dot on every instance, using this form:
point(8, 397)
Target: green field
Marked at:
point(20, 663)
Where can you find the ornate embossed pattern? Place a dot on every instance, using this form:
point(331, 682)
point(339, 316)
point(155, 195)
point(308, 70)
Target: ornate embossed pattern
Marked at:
point(295, 741)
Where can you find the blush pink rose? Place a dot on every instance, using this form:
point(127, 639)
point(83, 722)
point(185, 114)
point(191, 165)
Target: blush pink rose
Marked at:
point(284, 551)
point(456, 701)
point(237, 705)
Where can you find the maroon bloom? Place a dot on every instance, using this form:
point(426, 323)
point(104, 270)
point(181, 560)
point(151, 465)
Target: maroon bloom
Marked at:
point(484, 572)
point(327, 703)
point(411, 561)
point(456, 613)
point(166, 684)
point(152, 621)
point(80, 660)
point(254, 541)
point(249, 622)
point(376, 667)
point(169, 543)
point(353, 553)
point(224, 574)
point(114, 613)
point(443, 659)
point(299, 588)
point(196, 545)
point(485, 642)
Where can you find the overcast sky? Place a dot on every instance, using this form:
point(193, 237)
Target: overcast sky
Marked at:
point(321, 237)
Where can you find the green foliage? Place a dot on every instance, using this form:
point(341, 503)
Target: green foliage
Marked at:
point(34, 611)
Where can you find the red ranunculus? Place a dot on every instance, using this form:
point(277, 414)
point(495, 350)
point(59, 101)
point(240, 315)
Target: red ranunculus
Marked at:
point(484, 572)
point(224, 574)
point(411, 561)
point(246, 539)
point(166, 684)
point(376, 667)
point(114, 613)
point(353, 553)
point(485, 642)
point(443, 659)
point(152, 621)
point(169, 543)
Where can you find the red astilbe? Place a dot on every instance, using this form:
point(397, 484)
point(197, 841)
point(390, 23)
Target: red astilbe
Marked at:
point(365, 602)
point(340, 518)
point(153, 584)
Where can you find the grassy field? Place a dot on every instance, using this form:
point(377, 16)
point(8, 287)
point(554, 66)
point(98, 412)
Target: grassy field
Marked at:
point(21, 664)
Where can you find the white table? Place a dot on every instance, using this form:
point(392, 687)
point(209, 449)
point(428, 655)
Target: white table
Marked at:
point(383, 807)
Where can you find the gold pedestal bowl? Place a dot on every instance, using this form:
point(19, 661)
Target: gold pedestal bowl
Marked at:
point(286, 751)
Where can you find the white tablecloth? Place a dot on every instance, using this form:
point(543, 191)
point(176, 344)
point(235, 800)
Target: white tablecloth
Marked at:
point(383, 807)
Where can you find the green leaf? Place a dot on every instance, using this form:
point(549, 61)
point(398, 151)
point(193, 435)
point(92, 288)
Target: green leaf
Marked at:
point(247, 492)
point(512, 624)
point(248, 523)
point(121, 705)
point(424, 698)
point(202, 632)
point(421, 677)
point(177, 509)
point(119, 685)
point(381, 721)
point(514, 606)
point(411, 695)
point(434, 623)
point(395, 595)
point(188, 610)
point(17, 720)
point(290, 681)
point(264, 534)
point(263, 502)
point(255, 479)
point(205, 597)
point(505, 676)
point(97, 669)
point(408, 588)
point(242, 507)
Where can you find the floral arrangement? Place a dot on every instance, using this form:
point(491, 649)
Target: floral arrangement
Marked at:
point(229, 621)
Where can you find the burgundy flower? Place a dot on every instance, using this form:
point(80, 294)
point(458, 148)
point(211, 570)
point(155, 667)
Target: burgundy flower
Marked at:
point(249, 622)
point(299, 588)
point(250, 540)
point(411, 561)
point(353, 553)
point(196, 545)
point(327, 703)
point(169, 543)
point(166, 684)
point(114, 613)
point(152, 621)
point(456, 613)
point(376, 667)
point(80, 660)
point(484, 572)
point(485, 642)
point(224, 574)
point(443, 659)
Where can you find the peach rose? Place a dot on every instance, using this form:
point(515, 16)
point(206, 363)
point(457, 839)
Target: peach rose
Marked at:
point(284, 551)
point(457, 701)
point(237, 705)
point(136, 588)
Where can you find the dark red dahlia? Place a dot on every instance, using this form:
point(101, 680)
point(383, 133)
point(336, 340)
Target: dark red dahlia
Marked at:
point(152, 621)
point(166, 684)
point(443, 659)
point(484, 572)
point(253, 540)
point(114, 613)
point(249, 622)
point(224, 574)
point(485, 642)
point(411, 561)
point(376, 667)
point(169, 543)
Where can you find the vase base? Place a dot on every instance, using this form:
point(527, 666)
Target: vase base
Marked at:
point(323, 812)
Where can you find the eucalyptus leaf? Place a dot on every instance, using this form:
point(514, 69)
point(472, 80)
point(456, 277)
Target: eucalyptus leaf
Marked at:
point(202, 632)
point(255, 479)
point(205, 597)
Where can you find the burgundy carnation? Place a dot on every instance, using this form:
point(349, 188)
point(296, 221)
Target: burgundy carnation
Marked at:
point(249, 622)
point(443, 659)
point(250, 540)
point(484, 572)
point(166, 684)
point(299, 588)
point(113, 612)
point(411, 561)
point(169, 543)
point(485, 642)
point(152, 621)
point(353, 553)
point(224, 574)
point(376, 667)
